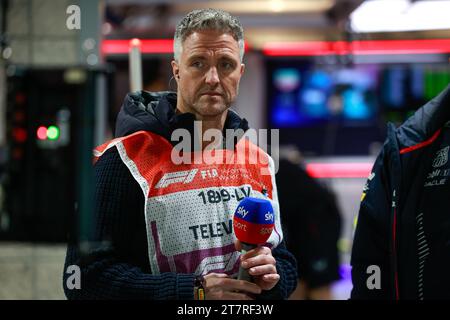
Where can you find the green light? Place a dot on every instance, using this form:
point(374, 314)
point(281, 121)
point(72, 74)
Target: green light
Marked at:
point(53, 133)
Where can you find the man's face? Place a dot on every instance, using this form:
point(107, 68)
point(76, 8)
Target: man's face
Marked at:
point(208, 73)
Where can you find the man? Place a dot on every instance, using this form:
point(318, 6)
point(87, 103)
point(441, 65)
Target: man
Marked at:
point(401, 248)
point(312, 225)
point(166, 226)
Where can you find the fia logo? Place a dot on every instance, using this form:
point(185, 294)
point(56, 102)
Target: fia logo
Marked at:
point(441, 157)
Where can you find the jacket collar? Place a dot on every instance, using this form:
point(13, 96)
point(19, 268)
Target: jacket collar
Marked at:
point(426, 121)
point(155, 112)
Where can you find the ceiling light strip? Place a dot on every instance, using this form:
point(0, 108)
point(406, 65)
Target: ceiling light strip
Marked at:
point(148, 46)
point(339, 170)
point(367, 47)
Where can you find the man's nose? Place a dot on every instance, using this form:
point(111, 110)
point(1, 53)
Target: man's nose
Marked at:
point(212, 77)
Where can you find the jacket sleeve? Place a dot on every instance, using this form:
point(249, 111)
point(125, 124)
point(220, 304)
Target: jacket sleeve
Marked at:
point(371, 243)
point(108, 270)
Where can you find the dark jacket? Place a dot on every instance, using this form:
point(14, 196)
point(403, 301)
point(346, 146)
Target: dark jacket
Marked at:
point(311, 222)
point(388, 232)
point(117, 266)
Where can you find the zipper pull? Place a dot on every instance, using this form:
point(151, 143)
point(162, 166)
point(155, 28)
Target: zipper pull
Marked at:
point(394, 199)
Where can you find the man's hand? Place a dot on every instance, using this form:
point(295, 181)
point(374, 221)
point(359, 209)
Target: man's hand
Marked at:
point(219, 286)
point(261, 266)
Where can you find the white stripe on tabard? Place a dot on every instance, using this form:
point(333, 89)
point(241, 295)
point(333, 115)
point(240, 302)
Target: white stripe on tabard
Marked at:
point(278, 230)
point(133, 169)
point(111, 144)
point(172, 266)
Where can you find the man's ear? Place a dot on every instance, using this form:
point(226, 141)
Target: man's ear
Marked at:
point(242, 68)
point(175, 70)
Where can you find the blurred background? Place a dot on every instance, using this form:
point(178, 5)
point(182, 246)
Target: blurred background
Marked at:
point(329, 74)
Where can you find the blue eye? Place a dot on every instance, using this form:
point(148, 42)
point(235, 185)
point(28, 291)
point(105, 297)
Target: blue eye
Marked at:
point(227, 65)
point(198, 64)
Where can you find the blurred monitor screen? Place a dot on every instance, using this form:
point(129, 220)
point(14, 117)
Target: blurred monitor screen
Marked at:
point(302, 94)
point(305, 95)
point(322, 107)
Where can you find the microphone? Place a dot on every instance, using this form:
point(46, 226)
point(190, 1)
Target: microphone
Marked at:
point(253, 222)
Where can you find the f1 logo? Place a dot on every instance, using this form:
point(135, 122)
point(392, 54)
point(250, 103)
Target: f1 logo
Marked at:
point(175, 177)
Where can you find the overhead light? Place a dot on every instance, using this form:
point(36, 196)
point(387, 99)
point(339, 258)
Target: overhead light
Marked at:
point(401, 15)
point(277, 5)
point(260, 6)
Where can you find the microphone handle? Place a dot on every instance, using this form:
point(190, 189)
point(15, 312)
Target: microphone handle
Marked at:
point(243, 273)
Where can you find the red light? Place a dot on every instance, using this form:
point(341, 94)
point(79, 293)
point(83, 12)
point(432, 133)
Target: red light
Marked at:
point(42, 133)
point(20, 135)
point(363, 47)
point(339, 170)
point(148, 46)
point(303, 48)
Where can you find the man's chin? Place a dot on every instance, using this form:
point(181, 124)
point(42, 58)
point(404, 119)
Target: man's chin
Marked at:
point(212, 110)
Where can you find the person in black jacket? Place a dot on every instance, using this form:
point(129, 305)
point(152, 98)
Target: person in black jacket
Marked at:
point(312, 223)
point(401, 247)
point(162, 230)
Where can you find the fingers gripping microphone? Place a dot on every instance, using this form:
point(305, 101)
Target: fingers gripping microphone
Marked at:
point(253, 223)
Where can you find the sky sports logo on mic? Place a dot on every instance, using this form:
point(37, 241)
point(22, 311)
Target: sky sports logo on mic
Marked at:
point(253, 221)
point(268, 217)
point(242, 212)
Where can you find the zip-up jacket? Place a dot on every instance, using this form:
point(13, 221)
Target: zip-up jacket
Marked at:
point(396, 254)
